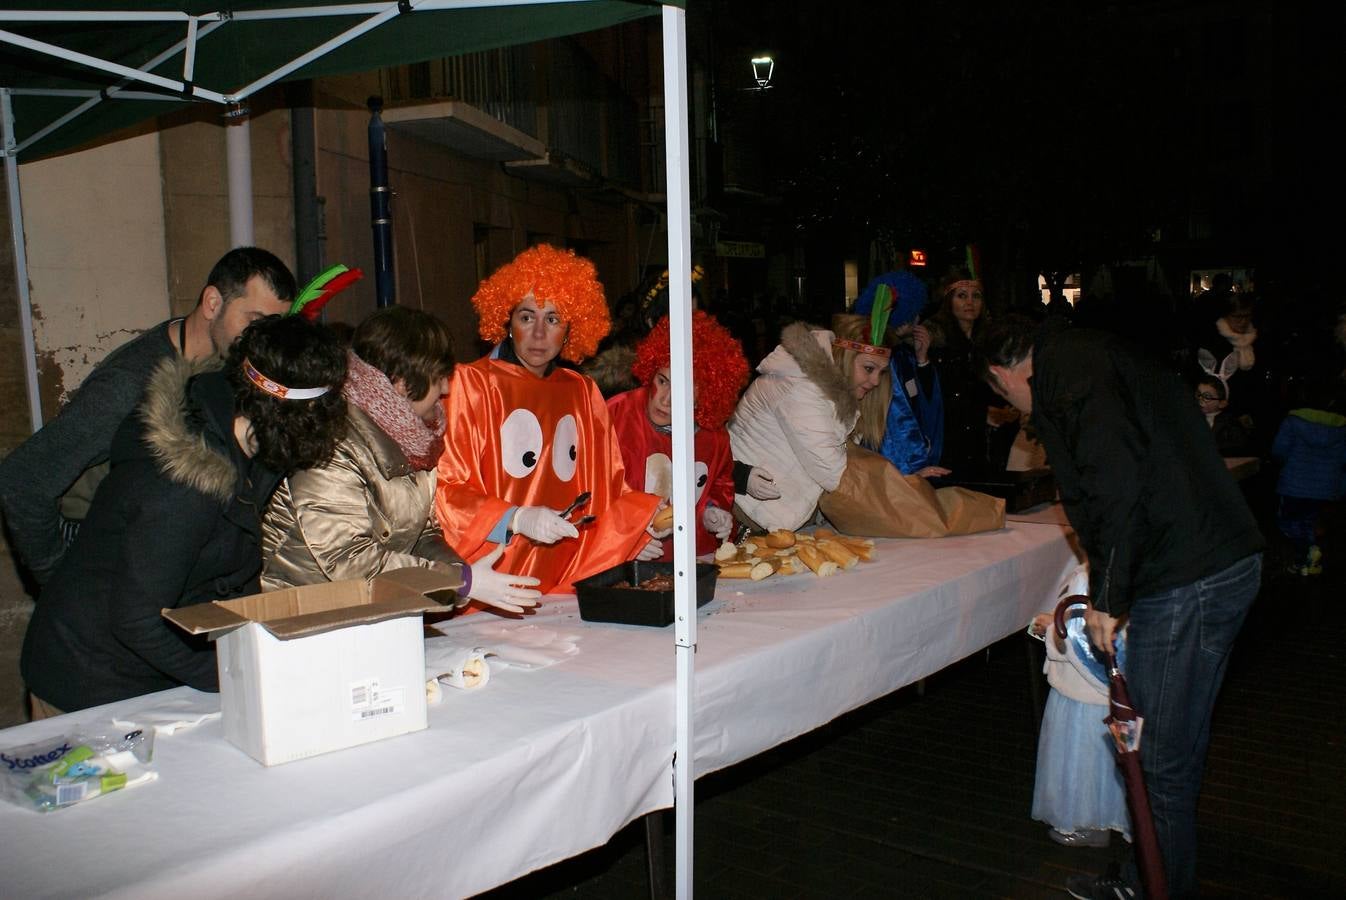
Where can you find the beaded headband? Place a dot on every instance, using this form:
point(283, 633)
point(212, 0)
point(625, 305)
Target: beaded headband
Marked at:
point(860, 347)
point(277, 390)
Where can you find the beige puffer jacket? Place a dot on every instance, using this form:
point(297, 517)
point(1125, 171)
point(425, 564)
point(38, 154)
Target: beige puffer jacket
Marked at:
point(365, 512)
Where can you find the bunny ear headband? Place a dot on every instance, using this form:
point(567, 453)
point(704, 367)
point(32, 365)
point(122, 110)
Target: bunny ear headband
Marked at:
point(1228, 366)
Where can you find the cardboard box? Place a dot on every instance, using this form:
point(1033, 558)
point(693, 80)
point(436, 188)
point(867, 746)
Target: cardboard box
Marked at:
point(322, 667)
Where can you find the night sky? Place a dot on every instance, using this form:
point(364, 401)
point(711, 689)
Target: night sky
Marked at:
point(1074, 133)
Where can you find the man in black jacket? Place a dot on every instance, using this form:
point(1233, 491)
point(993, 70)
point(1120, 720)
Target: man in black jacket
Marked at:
point(1173, 549)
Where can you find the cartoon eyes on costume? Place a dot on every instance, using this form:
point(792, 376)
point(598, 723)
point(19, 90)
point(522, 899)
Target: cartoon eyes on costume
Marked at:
point(564, 448)
point(521, 445)
point(702, 476)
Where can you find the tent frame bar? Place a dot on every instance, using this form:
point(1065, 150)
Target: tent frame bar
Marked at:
point(183, 88)
point(116, 91)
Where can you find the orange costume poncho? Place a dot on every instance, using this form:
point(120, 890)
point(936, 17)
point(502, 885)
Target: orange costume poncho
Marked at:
point(515, 439)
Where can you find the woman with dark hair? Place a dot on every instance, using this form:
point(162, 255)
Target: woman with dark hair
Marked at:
point(177, 522)
point(978, 428)
point(371, 508)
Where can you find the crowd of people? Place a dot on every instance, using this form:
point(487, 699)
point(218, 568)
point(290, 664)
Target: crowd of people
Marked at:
point(242, 448)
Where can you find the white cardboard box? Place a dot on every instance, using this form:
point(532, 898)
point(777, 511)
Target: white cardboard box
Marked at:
point(322, 667)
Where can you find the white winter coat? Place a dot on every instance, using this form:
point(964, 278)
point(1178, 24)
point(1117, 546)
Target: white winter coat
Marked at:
point(794, 421)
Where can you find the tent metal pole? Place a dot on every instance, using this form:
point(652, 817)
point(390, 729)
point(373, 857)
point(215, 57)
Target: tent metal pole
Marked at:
point(238, 144)
point(684, 459)
point(20, 260)
point(89, 15)
point(90, 94)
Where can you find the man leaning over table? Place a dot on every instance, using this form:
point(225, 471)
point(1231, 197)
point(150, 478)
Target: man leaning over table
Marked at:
point(48, 481)
point(1171, 543)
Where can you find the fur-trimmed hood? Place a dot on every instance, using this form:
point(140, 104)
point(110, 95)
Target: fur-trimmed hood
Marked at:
point(807, 351)
point(178, 428)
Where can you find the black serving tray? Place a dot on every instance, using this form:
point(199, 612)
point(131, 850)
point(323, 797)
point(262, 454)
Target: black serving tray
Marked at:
point(600, 602)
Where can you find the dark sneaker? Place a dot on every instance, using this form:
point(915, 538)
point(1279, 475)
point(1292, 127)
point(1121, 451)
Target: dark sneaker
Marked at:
point(1087, 837)
point(1100, 887)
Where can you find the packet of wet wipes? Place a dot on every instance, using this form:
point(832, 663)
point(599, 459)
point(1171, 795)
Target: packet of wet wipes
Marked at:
point(71, 768)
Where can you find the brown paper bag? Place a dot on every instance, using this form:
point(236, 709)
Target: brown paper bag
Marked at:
point(874, 499)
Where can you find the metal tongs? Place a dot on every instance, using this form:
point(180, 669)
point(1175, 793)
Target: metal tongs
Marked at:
point(576, 504)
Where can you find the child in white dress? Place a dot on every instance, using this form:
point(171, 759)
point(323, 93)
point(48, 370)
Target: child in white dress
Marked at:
point(1078, 789)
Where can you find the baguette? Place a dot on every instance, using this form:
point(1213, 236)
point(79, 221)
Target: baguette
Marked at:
point(838, 553)
point(780, 538)
point(756, 570)
point(819, 564)
point(663, 519)
point(726, 551)
point(862, 549)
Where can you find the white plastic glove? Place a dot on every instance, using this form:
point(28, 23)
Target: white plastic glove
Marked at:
point(652, 550)
point(762, 484)
point(541, 524)
point(718, 522)
point(500, 589)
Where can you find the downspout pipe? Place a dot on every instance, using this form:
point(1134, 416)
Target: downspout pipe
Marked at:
point(307, 228)
point(380, 205)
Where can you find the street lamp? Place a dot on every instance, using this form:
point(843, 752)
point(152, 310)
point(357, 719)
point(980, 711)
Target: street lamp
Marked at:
point(762, 68)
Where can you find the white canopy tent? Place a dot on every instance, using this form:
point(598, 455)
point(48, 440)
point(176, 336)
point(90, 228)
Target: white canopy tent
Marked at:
point(147, 81)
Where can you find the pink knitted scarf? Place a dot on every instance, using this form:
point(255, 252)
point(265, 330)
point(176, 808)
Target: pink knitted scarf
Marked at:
point(370, 389)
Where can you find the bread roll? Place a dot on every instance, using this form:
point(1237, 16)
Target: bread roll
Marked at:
point(780, 538)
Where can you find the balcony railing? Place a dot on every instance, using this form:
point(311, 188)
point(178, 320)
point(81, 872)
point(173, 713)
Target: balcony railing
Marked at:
point(571, 105)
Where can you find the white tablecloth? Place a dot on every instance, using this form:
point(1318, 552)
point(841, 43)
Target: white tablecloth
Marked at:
point(539, 765)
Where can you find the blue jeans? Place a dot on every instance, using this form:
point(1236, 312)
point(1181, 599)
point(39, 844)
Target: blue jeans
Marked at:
point(1177, 650)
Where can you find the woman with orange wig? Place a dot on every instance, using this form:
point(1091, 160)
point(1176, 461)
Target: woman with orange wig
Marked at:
point(526, 438)
point(643, 420)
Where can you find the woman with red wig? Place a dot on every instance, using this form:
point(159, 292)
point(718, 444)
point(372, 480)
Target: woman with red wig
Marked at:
point(643, 419)
point(527, 438)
